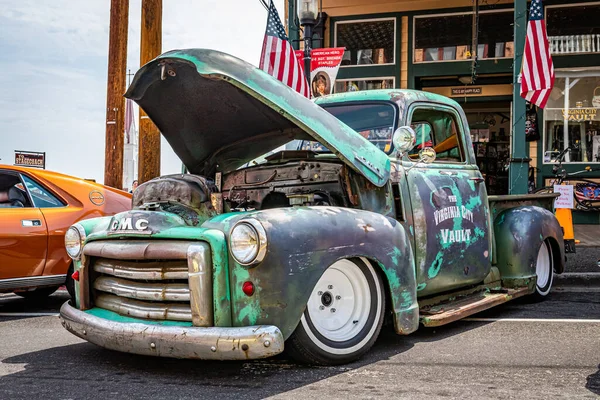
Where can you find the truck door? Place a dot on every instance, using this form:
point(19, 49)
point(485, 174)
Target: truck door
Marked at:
point(449, 203)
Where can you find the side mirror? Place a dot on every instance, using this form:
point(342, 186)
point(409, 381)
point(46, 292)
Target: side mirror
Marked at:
point(427, 155)
point(404, 139)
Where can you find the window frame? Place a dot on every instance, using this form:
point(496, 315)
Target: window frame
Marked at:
point(459, 124)
point(423, 16)
point(31, 197)
point(353, 21)
point(372, 78)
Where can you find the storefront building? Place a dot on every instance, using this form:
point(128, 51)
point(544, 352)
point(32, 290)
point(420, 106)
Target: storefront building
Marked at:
point(429, 45)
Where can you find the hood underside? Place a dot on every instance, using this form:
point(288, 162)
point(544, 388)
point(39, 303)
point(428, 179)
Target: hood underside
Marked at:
point(219, 112)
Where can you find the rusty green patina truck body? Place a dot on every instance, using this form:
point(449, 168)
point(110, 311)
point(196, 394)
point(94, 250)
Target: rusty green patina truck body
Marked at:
point(313, 246)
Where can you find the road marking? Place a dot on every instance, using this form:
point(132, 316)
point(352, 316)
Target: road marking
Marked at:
point(39, 314)
point(565, 320)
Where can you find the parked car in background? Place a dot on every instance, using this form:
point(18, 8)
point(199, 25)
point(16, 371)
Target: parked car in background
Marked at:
point(36, 209)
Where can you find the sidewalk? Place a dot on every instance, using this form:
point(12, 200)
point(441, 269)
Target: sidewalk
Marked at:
point(588, 235)
point(582, 267)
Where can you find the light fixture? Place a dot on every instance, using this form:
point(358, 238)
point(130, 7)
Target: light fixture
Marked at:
point(309, 14)
point(308, 11)
point(466, 80)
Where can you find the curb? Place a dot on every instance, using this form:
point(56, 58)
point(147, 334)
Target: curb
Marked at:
point(577, 279)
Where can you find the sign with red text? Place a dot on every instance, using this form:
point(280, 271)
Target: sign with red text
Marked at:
point(324, 67)
point(30, 159)
point(565, 200)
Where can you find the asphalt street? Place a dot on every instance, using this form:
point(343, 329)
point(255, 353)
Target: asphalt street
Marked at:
point(519, 350)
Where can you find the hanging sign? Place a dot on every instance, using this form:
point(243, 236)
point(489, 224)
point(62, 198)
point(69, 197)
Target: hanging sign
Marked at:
point(30, 159)
point(467, 91)
point(565, 200)
point(324, 66)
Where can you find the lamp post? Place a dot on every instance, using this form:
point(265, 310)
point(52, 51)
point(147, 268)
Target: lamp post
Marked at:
point(308, 13)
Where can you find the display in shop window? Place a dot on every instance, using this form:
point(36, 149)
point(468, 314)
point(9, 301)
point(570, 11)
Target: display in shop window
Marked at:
point(448, 37)
point(571, 117)
point(342, 86)
point(366, 42)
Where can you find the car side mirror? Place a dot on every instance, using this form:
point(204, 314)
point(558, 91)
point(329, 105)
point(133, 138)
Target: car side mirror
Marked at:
point(427, 155)
point(404, 139)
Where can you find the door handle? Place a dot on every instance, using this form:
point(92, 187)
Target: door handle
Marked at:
point(28, 223)
point(477, 179)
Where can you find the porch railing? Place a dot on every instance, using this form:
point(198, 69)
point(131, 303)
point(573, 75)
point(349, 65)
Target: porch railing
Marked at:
point(574, 44)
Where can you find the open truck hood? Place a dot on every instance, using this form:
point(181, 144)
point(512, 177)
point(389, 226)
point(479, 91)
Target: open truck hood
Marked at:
point(217, 110)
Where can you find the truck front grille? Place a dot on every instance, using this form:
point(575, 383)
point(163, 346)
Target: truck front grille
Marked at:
point(151, 279)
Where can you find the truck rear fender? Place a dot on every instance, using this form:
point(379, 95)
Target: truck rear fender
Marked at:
point(519, 232)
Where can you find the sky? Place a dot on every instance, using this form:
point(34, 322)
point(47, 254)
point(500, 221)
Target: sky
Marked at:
point(53, 70)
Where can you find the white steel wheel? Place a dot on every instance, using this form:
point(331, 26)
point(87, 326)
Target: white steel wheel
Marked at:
point(544, 269)
point(343, 315)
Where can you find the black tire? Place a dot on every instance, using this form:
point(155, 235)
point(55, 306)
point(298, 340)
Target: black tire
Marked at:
point(308, 344)
point(546, 277)
point(70, 283)
point(38, 294)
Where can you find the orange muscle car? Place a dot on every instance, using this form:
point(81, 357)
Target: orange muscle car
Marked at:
point(36, 209)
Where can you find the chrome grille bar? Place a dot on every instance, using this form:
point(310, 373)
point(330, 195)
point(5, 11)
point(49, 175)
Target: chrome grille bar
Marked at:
point(138, 250)
point(149, 270)
point(142, 290)
point(142, 309)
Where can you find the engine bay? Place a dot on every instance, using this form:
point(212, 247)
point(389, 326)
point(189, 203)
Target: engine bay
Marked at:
point(297, 183)
point(286, 179)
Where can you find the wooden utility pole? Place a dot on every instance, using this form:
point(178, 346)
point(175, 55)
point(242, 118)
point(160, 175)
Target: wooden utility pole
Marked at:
point(151, 46)
point(115, 102)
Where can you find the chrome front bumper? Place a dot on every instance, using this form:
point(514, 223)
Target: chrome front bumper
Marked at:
point(213, 343)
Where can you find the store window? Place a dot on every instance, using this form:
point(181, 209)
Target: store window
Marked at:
point(574, 29)
point(370, 42)
point(354, 85)
point(572, 117)
point(449, 37)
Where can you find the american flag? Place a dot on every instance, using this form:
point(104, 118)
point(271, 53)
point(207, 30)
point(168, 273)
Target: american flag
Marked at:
point(129, 122)
point(537, 75)
point(278, 58)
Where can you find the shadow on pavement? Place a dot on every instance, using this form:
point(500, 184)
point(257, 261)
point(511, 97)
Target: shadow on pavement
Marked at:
point(13, 304)
point(593, 382)
point(87, 371)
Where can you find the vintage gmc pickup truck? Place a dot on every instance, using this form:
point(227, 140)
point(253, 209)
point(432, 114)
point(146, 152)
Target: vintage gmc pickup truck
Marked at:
point(300, 224)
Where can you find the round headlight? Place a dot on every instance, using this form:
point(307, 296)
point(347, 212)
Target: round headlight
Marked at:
point(248, 242)
point(73, 241)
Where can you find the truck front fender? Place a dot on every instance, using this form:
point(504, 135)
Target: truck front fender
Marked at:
point(519, 232)
point(302, 243)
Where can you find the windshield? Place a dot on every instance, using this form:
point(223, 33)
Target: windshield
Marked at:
point(374, 121)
